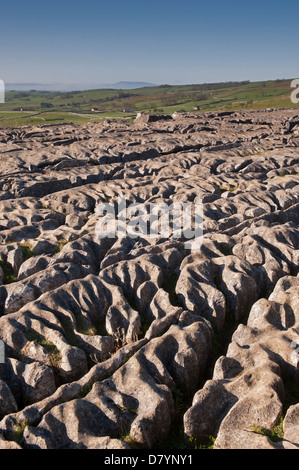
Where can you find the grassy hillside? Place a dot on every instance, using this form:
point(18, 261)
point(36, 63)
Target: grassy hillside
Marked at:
point(36, 108)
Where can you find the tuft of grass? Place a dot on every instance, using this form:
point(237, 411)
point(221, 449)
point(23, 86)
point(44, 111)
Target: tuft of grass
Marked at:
point(99, 327)
point(84, 390)
point(26, 251)
point(18, 431)
point(54, 353)
point(121, 408)
point(231, 188)
point(87, 331)
point(68, 330)
point(128, 439)
point(275, 434)
point(10, 275)
point(145, 323)
point(207, 444)
point(176, 437)
point(61, 243)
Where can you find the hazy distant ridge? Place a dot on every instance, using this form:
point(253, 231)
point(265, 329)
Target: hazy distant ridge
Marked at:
point(71, 87)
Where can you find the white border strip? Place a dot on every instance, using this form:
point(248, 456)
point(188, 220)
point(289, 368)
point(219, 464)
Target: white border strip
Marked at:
point(2, 92)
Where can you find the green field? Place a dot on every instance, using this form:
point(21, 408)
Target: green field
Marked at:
point(40, 108)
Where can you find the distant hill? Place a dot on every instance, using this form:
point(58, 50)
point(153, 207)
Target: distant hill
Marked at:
point(30, 86)
point(117, 100)
point(73, 86)
point(128, 85)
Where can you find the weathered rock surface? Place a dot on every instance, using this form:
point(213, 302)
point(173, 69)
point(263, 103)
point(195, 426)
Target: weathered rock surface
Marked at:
point(110, 342)
point(246, 390)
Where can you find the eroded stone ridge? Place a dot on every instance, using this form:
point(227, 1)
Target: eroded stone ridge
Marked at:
point(118, 343)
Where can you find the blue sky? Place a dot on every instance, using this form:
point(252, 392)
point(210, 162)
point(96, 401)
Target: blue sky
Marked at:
point(94, 42)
